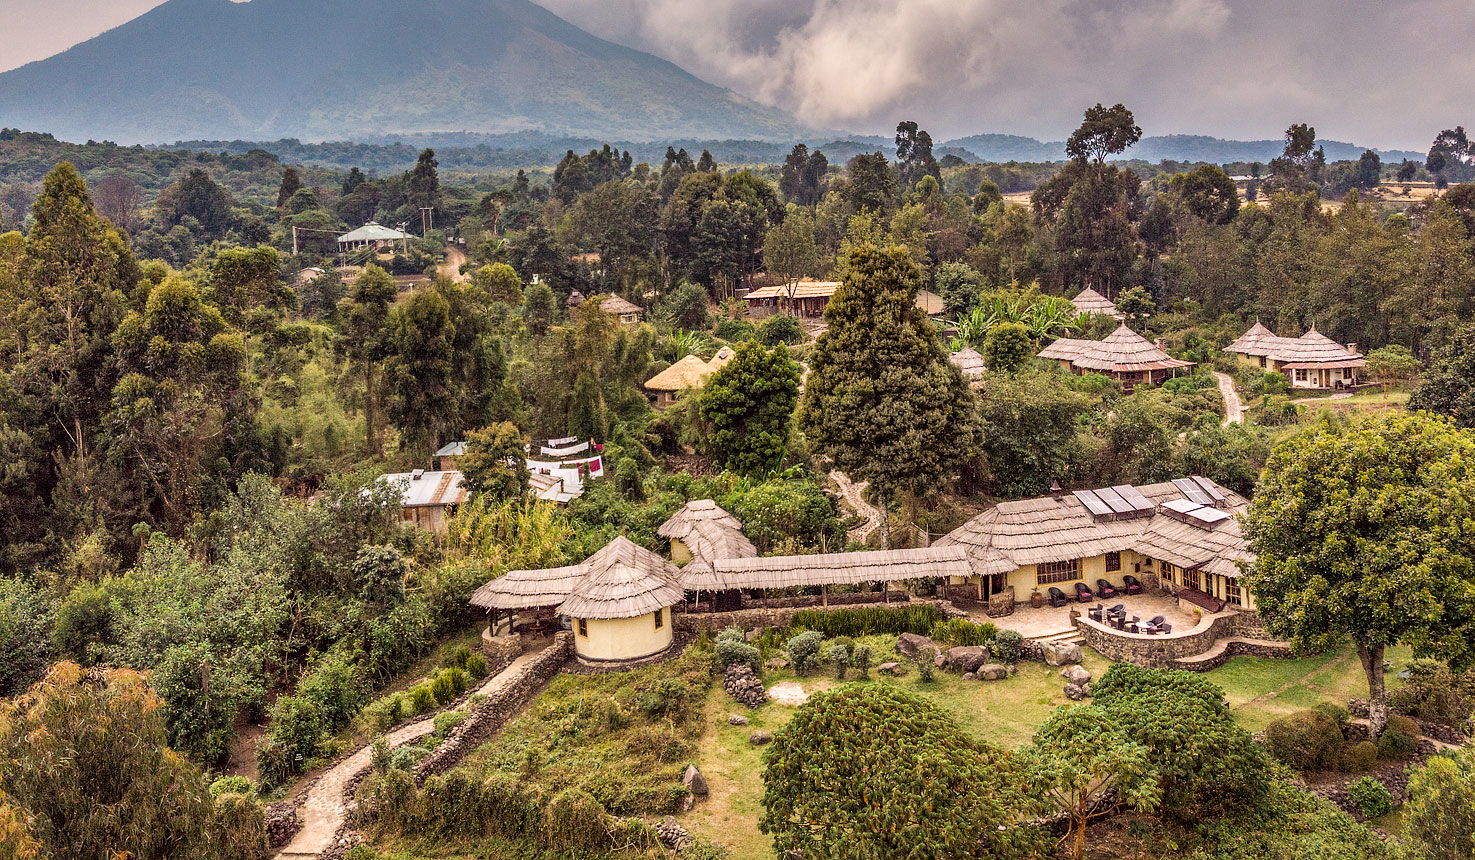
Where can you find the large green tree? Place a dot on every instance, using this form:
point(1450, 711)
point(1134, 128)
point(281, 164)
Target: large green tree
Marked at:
point(1031, 427)
point(495, 462)
point(1439, 816)
point(749, 405)
point(1448, 385)
point(425, 392)
point(874, 772)
point(364, 340)
point(882, 400)
point(1360, 532)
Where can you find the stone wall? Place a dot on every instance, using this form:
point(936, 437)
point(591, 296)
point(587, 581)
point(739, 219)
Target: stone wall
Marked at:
point(501, 649)
point(1438, 731)
point(1237, 647)
point(764, 618)
point(1155, 651)
point(489, 715)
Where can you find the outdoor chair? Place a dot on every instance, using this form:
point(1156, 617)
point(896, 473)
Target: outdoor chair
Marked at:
point(1156, 620)
point(1118, 622)
point(1057, 597)
point(1165, 628)
point(1096, 612)
point(1105, 589)
point(1134, 585)
point(1117, 611)
point(1083, 593)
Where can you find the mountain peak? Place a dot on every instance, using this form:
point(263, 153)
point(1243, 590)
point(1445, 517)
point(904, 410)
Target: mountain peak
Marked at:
point(336, 69)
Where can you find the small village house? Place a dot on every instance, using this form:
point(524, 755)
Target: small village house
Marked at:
point(447, 457)
point(627, 312)
point(690, 373)
point(372, 235)
point(970, 362)
point(1124, 355)
point(809, 298)
point(428, 497)
point(1311, 361)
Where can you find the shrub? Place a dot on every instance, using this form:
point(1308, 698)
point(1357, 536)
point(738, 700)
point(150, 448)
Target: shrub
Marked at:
point(576, 822)
point(1370, 797)
point(839, 657)
point(803, 650)
point(1401, 738)
point(297, 723)
point(1307, 741)
point(730, 653)
point(1359, 757)
point(422, 700)
point(1435, 693)
point(386, 712)
point(457, 678)
point(779, 329)
point(443, 689)
point(870, 621)
point(926, 662)
point(231, 785)
point(381, 756)
point(667, 695)
point(476, 667)
point(337, 686)
point(860, 658)
point(961, 631)
point(446, 721)
point(1008, 646)
point(456, 658)
point(735, 330)
point(1336, 713)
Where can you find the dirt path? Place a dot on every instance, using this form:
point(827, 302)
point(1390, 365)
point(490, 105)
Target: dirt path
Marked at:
point(854, 495)
point(324, 812)
point(1234, 410)
point(451, 268)
point(1340, 395)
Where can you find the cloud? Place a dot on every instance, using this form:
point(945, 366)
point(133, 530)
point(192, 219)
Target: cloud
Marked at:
point(1387, 73)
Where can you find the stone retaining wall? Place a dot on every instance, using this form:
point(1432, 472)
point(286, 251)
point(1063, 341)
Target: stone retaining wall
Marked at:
point(1438, 731)
point(489, 715)
point(764, 618)
point(1238, 648)
point(803, 601)
point(1155, 651)
point(501, 649)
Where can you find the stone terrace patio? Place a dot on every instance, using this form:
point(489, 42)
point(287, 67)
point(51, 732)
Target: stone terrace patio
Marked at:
point(1050, 621)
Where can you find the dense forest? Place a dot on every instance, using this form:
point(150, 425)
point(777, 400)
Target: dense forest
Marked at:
point(200, 392)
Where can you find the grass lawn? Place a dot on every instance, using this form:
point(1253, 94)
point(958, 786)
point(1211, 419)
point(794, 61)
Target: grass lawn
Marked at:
point(1003, 712)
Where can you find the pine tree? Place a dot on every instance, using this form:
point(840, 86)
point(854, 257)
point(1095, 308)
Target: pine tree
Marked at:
point(291, 182)
point(882, 401)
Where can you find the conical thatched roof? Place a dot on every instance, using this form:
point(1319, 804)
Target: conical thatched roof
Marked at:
point(1122, 350)
point(623, 581)
point(708, 531)
point(969, 361)
point(690, 372)
point(616, 305)
point(527, 589)
point(1091, 302)
point(1311, 348)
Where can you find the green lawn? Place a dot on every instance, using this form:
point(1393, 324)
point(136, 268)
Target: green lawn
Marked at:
point(1004, 712)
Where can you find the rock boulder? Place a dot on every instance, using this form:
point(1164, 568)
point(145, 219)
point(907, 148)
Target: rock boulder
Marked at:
point(1062, 653)
point(965, 658)
point(890, 667)
point(759, 738)
point(910, 644)
point(1076, 674)
point(694, 781)
point(993, 672)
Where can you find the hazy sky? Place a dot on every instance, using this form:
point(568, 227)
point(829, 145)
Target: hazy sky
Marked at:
point(1387, 73)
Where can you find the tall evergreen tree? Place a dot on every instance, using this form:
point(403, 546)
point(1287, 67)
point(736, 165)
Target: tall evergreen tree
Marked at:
point(363, 341)
point(291, 184)
point(882, 400)
point(425, 391)
point(749, 405)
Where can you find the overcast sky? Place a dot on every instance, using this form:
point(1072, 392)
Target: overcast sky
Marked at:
point(1386, 73)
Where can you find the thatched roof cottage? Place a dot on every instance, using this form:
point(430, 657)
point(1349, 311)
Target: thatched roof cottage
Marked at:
point(1124, 355)
point(1312, 360)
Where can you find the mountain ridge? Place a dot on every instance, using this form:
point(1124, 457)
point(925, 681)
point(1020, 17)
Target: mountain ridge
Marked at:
point(332, 69)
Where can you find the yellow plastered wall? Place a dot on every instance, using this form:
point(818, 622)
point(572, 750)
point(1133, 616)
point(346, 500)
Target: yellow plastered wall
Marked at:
point(622, 638)
point(679, 551)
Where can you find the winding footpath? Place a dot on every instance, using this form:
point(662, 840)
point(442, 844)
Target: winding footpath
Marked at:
point(325, 810)
point(854, 495)
point(1234, 410)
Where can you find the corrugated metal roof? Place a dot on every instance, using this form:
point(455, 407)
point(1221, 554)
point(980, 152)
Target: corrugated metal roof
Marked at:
point(429, 489)
point(372, 232)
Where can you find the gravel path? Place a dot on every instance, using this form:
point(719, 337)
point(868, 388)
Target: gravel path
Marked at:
point(1234, 410)
point(451, 268)
point(854, 495)
point(324, 812)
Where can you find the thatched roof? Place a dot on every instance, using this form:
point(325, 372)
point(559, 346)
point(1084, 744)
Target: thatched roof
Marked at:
point(708, 531)
point(844, 568)
point(1035, 531)
point(1311, 349)
point(690, 372)
point(969, 361)
point(805, 289)
point(623, 581)
point(1088, 301)
point(620, 561)
point(617, 306)
point(1123, 350)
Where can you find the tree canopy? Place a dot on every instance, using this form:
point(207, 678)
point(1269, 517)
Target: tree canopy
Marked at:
point(749, 405)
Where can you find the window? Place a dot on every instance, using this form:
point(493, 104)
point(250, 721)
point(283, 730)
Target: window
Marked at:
point(1346, 373)
point(1300, 375)
point(1234, 593)
point(583, 628)
point(1262, 361)
point(1057, 571)
point(1192, 580)
point(1168, 571)
point(660, 618)
point(1113, 562)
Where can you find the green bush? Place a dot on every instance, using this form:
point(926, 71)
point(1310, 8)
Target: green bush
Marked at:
point(1370, 797)
point(231, 785)
point(1339, 715)
point(838, 656)
point(337, 686)
point(730, 653)
point(456, 658)
point(476, 667)
point(1308, 741)
point(1008, 646)
point(576, 822)
point(422, 700)
point(926, 663)
point(1435, 693)
point(446, 721)
point(860, 658)
point(803, 650)
point(1400, 740)
point(1359, 757)
point(780, 329)
point(870, 621)
point(734, 331)
point(458, 680)
point(961, 631)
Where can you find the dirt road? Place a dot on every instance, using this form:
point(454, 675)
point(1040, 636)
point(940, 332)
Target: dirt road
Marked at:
point(451, 268)
point(1234, 410)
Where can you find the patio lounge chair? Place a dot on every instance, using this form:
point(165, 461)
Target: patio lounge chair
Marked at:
point(1105, 589)
point(1083, 593)
point(1057, 597)
point(1096, 612)
point(1118, 622)
point(1117, 611)
point(1134, 585)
